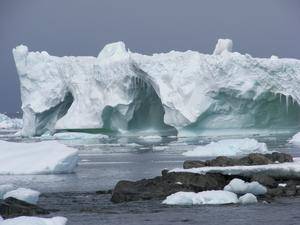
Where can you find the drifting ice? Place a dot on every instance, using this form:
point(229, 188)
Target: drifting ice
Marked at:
point(229, 147)
point(9, 123)
point(170, 92)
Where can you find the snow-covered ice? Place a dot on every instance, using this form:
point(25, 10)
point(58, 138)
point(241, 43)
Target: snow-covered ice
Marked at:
point(184, 91)
point(24, 194)
point(26, 220)
point(45, 157)
point(287, 170)
point(241, 187)
point(248, 199)
point(201, 198)
point(10, 123)
point(229, 147)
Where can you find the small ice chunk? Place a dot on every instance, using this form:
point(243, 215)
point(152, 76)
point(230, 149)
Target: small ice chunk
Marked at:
point(201, 198)
point(24, 194)
point(248, 198)
point(229, 147)
point(282, 185)
point(241, 187)
point(26, 220)
point(4, 188)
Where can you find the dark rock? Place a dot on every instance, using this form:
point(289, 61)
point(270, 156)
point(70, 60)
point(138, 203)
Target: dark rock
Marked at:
point(264, 180)
point(222, 161)
point(290, 190)
point(279, 157)
point(164, 172)
point(162, 186)
point(275, 191)
point(103, 192)
point(193, 164)
point(257, 159)
point(12, 207)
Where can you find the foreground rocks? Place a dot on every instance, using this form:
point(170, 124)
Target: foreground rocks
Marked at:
point(249, 160)
point(12, 207)
point(171, 182)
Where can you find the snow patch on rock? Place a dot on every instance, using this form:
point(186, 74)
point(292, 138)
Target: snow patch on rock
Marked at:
point(24, 194)
point(201, 198)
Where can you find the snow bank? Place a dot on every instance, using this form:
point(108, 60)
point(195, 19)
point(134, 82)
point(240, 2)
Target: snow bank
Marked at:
point(45, 157)
point(295, 139)
point(287, 170)
point(248, 199)
point(24, 220)
point(229, 147)
point(24, 194)
point(121, 90)
point(241, 187)
point(9, 123)
point(201, 198)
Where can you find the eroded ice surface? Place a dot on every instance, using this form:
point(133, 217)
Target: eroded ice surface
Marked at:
point(201, 198)
point(45, 157)
point(229, 147)
point(186, 92)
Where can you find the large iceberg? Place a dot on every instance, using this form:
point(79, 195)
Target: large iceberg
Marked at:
point(47, 157)
point(168, 92)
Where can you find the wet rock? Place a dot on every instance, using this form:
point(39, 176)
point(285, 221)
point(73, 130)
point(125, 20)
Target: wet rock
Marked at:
point(273, 192)
point(162, 186)
point(290, 190)
point(12, 207)
point(103, 192)
point(256, 159)
point(265, 180)
point(279, 157)
point(222, 161)
point(193, 164)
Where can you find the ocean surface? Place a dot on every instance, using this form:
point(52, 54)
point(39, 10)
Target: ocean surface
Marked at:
point(104, 162)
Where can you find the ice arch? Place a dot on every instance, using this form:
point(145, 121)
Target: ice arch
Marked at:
point(120, 90)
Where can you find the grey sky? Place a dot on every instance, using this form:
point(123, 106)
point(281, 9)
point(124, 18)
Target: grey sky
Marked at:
point(83, 27)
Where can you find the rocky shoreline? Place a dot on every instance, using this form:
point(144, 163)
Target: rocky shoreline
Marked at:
point(171, 182)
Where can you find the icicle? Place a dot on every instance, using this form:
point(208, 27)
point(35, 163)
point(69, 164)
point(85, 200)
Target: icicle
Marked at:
point(287, 103)
point(280, 97)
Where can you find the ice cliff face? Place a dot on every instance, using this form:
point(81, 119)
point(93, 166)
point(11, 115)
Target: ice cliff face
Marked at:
point(167, 92)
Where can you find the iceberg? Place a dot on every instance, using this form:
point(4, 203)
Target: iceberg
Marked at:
point(280, 170)
point(24, 194)
point(27, 220)
point(10, 123)
point(248, 199)
point(229, 147)
point(295, 140)
point(241, 187)
point(171, 93)
point(201, 198)
point(47, 157)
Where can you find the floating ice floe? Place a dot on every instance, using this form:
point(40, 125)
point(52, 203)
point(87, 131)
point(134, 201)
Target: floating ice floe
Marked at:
point(26, 220)
point(241, 187)
point(201, 198)
point(4, 188)
point(229, 147)
point(45, 157)
point(295, 139)
point(288, 170)
point(24, 194)
point(247, 199)
point(73, 136)
point(10, 123)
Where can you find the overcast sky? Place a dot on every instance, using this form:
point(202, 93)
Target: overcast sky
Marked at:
point(83, 27)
